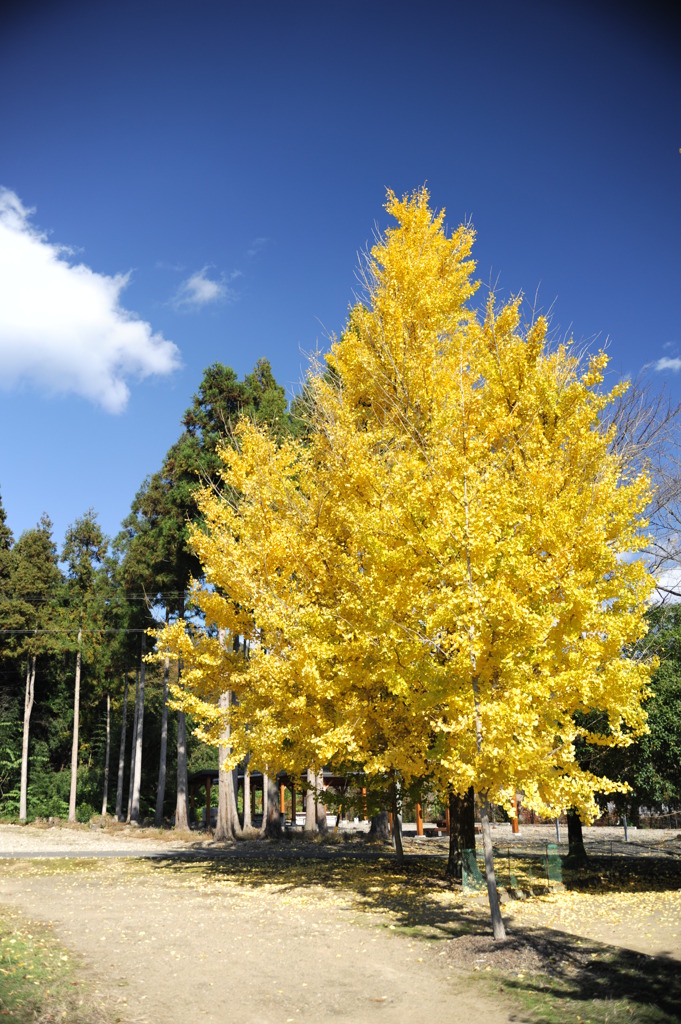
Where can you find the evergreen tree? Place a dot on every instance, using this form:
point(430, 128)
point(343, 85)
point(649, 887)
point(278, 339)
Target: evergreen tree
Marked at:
point(34, 586)
point(156, 556)
point(651, 766)
point(84, 552)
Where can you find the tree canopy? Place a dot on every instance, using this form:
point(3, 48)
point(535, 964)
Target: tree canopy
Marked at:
point(438, 581)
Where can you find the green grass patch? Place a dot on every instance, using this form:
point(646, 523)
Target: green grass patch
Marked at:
point(548, 1001)
point(39, 979)
point(597, 985)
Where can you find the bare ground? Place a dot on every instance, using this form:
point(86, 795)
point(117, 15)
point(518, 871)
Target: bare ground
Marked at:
point(175, 942)
point(296, 932)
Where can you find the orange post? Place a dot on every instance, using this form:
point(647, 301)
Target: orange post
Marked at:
point(448, 824)
point(282, 798)
point(364, 801)
point(419, 820)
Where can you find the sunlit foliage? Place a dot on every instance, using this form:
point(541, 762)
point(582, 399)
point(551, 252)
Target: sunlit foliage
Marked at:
point(438, 579)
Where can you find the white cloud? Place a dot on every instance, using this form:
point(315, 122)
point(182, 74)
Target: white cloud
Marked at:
point(201, 290)
point(256, 245)
point(62, 328)
point(668, 364)
point(668, 589)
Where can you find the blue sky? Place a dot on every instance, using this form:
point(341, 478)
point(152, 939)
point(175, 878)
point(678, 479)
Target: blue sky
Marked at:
point(188, 182)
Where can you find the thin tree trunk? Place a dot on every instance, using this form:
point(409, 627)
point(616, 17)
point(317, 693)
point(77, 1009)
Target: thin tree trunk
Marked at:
point(181, 809)
point(76, 718)
point(397, 818)
point(28, 708)
point(310, 811)
point(181, 805)
point(248, 821)
point(227, 825)
point(224, 828)
point(133, 745)
point(461, 830)
point(163, 756)
point(265, 803)
point(272, 813)
point(135, 813)
point(498, 929)
point(105, 797)
point(121, 754)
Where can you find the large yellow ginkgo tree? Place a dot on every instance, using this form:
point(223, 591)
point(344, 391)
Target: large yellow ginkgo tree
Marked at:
point(439, 580)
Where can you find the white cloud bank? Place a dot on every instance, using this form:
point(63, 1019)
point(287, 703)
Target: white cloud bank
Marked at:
point(62, 327)
point(202, 290)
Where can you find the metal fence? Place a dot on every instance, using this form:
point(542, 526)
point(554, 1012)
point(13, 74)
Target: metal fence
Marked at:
point(516, 868)
point(541, 864)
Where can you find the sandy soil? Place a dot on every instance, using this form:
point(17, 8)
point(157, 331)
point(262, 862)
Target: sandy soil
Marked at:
point(191, 948)
point(222, 941)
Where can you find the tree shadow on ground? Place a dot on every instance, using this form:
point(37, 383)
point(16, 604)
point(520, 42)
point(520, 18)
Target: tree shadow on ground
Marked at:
point(579, 975)
point(651, 873)
point(414, 894)
point(544, 969)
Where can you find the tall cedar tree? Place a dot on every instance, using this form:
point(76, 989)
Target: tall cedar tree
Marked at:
point(6, 608)
point(157, 558)
point(84, 552)
point(34, 586)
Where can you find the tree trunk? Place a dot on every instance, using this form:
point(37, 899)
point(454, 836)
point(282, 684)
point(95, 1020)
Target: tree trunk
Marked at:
point(310, 811)
point(121, 754)
point(272, 813)
point(105, 797)
point(461, 830)
point(28, 708)
point(76, 719)
point(248, 821)
point(227, 825)
point(181, 809)
point(133, 746)
point(576, 851)
point(498, 930)
point(320, 809)
point(380, 826)
point(265, 802)
point(163, 756)
point(397, 818)
point(135, 812)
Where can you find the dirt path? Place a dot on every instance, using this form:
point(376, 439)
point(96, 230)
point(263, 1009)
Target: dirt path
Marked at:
point(174, 946)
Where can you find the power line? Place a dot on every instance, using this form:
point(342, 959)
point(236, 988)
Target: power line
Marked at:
point(34, 632)
point(157, 599)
